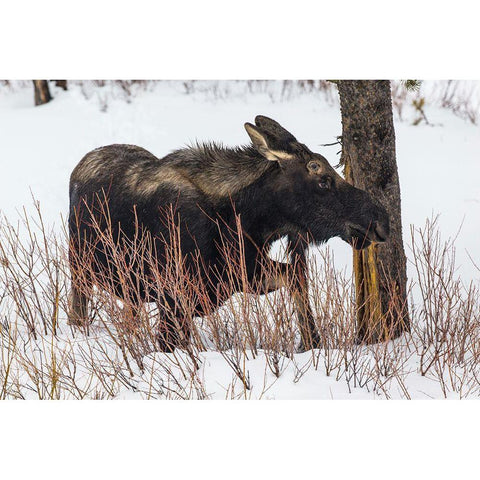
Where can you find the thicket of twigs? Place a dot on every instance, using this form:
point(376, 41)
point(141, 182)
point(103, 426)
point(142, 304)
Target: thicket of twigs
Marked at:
point(41, 356)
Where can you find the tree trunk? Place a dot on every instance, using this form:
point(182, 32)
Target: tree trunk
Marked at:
point(42, 92)
point(61, 84)
point(368, 156)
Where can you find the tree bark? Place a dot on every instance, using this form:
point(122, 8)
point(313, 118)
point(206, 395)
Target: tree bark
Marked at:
point(368, 157)
point(42, 92)
point(61, 84)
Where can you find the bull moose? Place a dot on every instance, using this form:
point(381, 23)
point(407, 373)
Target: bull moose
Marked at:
point(276, 186)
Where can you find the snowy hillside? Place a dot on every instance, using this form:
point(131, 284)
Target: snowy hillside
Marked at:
point(439, 168)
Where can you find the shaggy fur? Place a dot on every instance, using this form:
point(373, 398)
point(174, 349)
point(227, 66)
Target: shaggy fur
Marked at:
point(276, 186)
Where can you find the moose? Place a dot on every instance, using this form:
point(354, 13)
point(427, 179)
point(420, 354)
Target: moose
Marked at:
point(275, 187)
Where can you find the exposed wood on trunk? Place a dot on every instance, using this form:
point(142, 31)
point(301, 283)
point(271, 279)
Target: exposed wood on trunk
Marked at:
point(368, 156)
point(42, 92)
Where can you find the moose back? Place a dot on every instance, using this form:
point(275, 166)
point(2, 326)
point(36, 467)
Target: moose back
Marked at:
point(205, 207)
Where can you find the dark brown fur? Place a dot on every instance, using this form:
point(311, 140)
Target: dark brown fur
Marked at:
point(276, 186)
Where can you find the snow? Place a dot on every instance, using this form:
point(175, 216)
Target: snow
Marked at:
point(439, 167)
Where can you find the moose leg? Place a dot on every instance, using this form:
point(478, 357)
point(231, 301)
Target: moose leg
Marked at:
point(133, 314)
point(293, 277)
point(81, 289)
point(173, 331)
point(310, 337)
point(78, 307)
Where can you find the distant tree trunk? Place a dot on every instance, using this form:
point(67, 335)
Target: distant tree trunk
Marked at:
point(42, 92)
point(368, 156)
point(61, 84)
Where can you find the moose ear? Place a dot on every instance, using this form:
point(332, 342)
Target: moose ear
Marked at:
point(261, 143)
point(274, 128)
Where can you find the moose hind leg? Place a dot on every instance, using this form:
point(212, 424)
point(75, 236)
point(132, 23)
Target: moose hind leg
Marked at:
point(78, 308)
point(81, 285)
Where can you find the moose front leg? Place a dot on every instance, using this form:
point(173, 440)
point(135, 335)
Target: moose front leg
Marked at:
point(174, 327)
point(293, 276)
point(299, 289)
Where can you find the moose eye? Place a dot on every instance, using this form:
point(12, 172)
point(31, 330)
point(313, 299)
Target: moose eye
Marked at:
point(313, 167)
point(325, 182)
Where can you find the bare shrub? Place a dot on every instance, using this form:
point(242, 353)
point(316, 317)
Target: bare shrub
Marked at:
point(113, 352)
point(447, 330)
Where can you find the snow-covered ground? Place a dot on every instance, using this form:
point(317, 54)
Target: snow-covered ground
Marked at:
point(439, 168)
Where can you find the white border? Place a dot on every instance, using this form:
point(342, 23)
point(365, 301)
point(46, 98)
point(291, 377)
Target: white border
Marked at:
point(248, 39)
point(230, 440)
point(238, 40)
